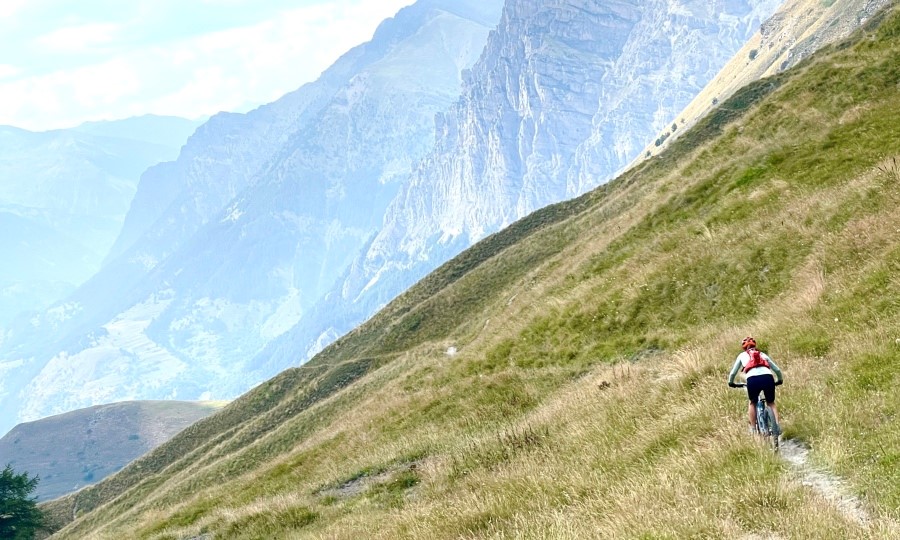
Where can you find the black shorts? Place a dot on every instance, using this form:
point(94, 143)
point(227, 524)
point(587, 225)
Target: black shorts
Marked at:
point(761, 383)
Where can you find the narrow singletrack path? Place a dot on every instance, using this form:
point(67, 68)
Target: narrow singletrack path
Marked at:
point(829, 486)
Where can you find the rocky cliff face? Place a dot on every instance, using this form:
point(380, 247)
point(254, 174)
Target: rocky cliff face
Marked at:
point(565, 95)
point(227, 247)
point(677, 47)
point(796, 30)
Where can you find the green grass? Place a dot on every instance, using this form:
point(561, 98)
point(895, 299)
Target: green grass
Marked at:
point(267, 524)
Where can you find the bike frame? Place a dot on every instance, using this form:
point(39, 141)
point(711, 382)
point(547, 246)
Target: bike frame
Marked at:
point(762, 418)
point(762, 415)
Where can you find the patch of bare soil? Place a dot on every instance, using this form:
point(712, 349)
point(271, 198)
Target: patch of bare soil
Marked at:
point(354, 487)
point(361, 483)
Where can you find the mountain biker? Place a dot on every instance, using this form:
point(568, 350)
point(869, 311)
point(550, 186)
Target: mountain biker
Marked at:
point(760, 376)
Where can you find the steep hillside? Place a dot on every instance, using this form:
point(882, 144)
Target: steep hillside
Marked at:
point(565, 378)
point(79, 448)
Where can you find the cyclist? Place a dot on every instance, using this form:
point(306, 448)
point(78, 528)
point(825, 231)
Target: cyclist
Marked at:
point(760, 372)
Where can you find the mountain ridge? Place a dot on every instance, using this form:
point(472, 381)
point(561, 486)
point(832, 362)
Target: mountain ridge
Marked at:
point(149, 128)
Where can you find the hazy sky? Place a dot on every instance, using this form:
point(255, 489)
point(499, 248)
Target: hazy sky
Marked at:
point(63, 62)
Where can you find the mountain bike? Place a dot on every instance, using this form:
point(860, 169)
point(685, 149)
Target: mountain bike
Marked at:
point(766, 425)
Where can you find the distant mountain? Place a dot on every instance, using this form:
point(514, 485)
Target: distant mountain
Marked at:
point(82, 447)
point(419, 51)
point(60, 255)
point(150, 128)
point(227, 246)
point(41, 264)
point(63, 197)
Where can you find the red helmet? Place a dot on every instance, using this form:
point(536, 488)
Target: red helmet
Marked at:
point(748, 342)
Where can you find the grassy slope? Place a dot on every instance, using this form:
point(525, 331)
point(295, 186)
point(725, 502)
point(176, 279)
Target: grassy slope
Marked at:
point(71, 450)
point(587, 398)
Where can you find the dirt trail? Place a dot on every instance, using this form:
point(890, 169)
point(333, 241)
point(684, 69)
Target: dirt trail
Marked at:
point(829, 486)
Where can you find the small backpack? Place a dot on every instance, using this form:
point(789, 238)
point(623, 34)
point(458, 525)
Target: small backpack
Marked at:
point(756, 360)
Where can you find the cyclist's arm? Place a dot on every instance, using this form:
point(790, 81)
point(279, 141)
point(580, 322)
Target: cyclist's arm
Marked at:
point(776, 369)
point(734, 370)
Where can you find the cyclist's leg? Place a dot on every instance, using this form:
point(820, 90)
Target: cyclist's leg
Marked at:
point(768, 387)
point(769, 391)
point(753, 396)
